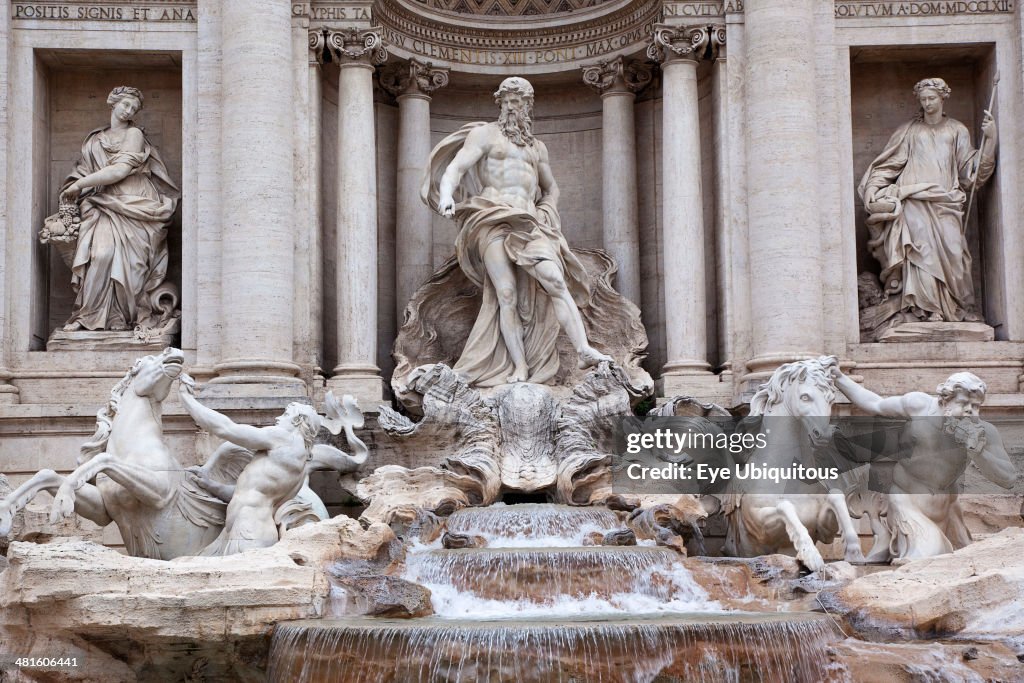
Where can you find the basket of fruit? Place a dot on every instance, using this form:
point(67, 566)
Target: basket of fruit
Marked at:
point(61, 230)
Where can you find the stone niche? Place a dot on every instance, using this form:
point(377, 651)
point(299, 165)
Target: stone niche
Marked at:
point(71, 93)
point(881, 88)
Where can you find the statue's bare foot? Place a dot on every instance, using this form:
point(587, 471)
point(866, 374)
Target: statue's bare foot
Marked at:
point(935, 318)
point(589, 357)
point(520, 375)
point(74, 326)
point(119, 327)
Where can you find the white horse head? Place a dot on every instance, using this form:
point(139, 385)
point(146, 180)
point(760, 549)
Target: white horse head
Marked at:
point(803, 389)
point(151, 378)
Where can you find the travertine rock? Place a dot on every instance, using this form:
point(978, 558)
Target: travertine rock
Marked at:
point(141, 614)
point(975, 591)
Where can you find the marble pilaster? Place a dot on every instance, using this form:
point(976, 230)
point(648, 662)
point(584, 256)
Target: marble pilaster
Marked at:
point(8, 392)
point(412, 83)
point(357, 52)
point(257, 201)
point(679, 49)
point(618, 82)
point(783, 234)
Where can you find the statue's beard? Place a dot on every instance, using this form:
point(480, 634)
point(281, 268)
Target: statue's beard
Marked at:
point(516, 125)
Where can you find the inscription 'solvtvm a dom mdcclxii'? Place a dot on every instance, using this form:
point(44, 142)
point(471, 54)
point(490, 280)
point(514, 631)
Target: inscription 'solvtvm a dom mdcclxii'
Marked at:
point(269, 266)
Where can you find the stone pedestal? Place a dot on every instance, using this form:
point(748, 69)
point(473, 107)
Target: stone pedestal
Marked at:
point(356, 51)
point(938, 332)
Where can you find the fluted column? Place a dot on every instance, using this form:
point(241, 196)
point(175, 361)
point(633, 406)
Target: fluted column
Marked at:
point(679, 49)
point(412, 84)
point(783, 233)
point(356, 51)
point(257, 202)
point(618, 82)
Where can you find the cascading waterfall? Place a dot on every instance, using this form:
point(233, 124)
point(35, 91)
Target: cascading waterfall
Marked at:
point(536, 605)
point(532, 524)
point(694, 648)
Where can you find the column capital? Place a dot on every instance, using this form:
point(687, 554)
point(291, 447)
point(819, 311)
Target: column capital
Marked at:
point(413, 78)
point(348, 45)
point(617, 75)
point(693, 43)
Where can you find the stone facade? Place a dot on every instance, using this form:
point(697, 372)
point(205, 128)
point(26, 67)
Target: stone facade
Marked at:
point(713, 148)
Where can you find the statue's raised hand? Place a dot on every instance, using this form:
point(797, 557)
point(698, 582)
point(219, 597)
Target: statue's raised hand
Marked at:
point(988, 125)
point(71, 193)
point(186, 384)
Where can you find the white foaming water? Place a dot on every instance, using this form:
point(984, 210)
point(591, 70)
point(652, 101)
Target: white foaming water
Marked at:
point(687, 596)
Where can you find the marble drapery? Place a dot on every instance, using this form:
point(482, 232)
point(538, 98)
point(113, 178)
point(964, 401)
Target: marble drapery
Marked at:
point(121, 257)
point(915, 191)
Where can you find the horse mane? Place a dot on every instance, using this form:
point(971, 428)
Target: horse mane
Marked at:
point(105, 417)
point(771, 392)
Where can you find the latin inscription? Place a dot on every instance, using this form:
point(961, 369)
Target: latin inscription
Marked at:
point(702, 10)
point(133, 12)
point(925, 8)
point(484, 57)
point(332, 12)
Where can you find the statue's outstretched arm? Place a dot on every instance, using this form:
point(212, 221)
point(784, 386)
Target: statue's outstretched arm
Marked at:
point(253, 438)
point(325, 457)
point(473, 149)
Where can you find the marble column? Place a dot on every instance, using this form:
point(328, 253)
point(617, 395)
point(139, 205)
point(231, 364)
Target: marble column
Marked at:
point(618, 82)
point(257, 200)
point(8, 392)
point(412, 84)
point(679, 49)
point(357, 52)
point(782, 208)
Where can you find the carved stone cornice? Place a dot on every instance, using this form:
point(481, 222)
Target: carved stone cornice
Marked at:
point(694, 43)
point(348, 45)
point(413, 78)
point(535, 44)
point(617, 75)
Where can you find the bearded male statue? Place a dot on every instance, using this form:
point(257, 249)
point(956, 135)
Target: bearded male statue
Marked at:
point(495, 180)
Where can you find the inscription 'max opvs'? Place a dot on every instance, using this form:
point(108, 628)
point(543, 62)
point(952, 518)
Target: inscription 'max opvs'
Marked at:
point(91, 12)
point(495, 57)
point(923, 8)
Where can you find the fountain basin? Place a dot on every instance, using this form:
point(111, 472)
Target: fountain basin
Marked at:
point(513, 574)
point(639, 649)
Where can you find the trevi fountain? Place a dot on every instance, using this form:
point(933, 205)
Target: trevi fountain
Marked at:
point(582, 341)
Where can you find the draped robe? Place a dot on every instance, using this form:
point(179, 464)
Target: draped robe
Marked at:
point(925, 170)
point(121, 257)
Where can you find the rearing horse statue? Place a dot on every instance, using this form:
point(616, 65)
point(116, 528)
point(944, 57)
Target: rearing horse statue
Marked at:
point(758, 523)
point(160, 514)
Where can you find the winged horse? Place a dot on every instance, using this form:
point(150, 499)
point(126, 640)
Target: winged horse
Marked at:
point(127, 475)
